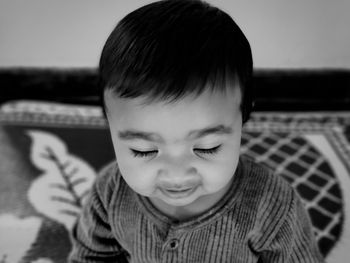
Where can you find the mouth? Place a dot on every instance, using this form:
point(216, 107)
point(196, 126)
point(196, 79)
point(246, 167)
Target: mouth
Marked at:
point(177, 193)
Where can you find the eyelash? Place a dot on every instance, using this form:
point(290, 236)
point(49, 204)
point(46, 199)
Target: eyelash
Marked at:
point(213, 150)
point(145, 154)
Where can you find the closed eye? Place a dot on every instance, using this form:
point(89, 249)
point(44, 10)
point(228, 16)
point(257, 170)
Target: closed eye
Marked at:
point(143, 154)
point(208, 151)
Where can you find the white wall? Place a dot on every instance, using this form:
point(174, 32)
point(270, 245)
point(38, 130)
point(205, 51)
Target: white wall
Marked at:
point(71, 33)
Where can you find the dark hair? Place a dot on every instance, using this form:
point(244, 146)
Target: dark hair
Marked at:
point(172, 48)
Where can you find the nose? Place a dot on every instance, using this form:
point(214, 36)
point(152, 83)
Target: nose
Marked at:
point(177, 170)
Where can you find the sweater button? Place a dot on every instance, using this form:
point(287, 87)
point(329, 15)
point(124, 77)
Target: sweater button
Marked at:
point(174, 244)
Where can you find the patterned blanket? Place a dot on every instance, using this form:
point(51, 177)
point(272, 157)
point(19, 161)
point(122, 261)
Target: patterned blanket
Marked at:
point(51, 153)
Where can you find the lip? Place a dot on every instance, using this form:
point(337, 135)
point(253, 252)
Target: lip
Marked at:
point(178, 193)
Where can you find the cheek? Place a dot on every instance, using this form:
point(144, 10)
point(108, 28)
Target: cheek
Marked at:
point(139, 177)
point(219, 173)
point(217, 177)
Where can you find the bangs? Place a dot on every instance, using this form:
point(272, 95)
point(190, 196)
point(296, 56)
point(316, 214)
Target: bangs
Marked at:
point(161, 84)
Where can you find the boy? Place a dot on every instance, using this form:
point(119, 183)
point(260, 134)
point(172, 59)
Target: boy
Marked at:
point(176, 78)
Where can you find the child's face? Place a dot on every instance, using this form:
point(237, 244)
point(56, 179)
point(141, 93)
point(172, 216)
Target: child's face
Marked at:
point(181, 155)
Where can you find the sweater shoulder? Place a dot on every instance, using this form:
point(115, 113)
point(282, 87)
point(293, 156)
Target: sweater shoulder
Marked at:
point(107, 182)
point(265, 184)
point(273, 199)
point(268, 194)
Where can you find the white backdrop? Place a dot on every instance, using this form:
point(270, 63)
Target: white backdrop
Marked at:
point(71, 33)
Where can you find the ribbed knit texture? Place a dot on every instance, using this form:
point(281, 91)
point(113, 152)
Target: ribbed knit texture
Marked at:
point(260, 219)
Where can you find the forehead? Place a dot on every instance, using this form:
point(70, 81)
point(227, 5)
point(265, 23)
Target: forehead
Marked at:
point(176, 118)
point(209, 99)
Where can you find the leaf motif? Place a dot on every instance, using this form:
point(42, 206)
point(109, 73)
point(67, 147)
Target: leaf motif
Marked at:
point(60, 191)
point(17, 236)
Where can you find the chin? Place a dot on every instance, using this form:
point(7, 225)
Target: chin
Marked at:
point(180, 202)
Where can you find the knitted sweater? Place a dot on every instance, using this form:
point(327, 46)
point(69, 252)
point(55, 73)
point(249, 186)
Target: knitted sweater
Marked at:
point(260, 219)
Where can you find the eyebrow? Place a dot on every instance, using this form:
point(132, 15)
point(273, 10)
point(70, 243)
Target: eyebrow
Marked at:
point(129, 135)
point(215, 130)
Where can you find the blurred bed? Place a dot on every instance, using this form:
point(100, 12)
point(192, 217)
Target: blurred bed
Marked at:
point(54, 141)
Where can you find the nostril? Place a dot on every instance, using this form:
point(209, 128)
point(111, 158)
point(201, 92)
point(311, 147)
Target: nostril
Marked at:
point(192, 170)
point(177, 172)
